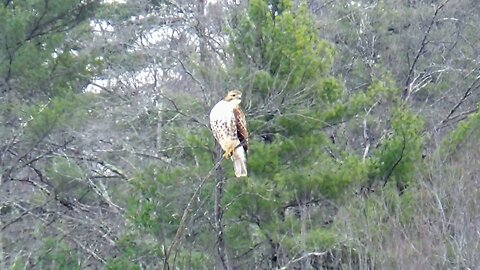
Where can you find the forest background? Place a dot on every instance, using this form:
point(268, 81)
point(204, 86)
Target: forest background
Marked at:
point(363, 115)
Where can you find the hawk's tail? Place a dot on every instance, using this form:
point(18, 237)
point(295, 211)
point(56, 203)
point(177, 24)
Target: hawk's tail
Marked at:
point(239, 162)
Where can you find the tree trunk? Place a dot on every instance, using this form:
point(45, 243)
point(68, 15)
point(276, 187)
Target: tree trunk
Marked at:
point(303, 232)
point(201, 31)
point(159, 107)
point(219, 181)
point(2, 258)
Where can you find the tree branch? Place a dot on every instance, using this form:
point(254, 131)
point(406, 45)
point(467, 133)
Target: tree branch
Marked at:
point(409, 80)
point(309, 254)
point(186, 213)
point(457, 118)
point(475, 84)
point(366, 136)
point(385, 179)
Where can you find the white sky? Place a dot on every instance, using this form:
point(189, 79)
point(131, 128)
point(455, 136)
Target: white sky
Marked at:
point(144, 76)
point(115, 1)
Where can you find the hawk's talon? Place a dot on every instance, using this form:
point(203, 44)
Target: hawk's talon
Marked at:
point(228, 152)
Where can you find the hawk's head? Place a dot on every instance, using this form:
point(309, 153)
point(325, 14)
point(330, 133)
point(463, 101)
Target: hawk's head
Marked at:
point(234, 96)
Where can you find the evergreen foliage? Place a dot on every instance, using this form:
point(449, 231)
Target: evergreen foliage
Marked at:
point(362, 152)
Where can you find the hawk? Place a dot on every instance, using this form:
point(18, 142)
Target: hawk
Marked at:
point(229, 128)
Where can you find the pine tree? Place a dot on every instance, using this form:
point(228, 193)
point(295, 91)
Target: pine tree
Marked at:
point(43, 72)
point(298, 175)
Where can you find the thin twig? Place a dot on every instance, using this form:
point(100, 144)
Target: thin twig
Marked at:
point(457, 118)
point(19, 217)
point(202, 87)
point(473, 86)
point(365, 132)
point(103, 88)
point(409, 80)
point(177, 110)
point(188, 209)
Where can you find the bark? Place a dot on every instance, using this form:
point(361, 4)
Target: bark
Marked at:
point(201, 31)
point(2, 257)
point(220, 181)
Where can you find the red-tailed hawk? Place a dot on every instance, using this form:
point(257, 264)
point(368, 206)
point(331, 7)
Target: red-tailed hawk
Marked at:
point(229, 128)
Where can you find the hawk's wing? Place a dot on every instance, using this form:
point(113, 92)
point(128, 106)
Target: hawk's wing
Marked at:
point(242, 132)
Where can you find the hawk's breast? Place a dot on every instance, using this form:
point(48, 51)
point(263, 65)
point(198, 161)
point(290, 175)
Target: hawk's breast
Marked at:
point(222, 122)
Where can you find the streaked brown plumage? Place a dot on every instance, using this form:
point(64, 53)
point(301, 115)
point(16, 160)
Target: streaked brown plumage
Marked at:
point(242, 131)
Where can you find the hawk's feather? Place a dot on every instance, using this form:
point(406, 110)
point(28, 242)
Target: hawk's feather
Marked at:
point(241, 124)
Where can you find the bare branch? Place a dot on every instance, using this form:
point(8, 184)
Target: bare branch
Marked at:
point(457, 118)
point(107, 90)
point(366, 137)
point(307, 255)
point(177, 110)
point(195, 79)
point(186, 213)
point(88, 250)
point(410, 77)
point(19, 217)
point(475, 84)
point(65, 234)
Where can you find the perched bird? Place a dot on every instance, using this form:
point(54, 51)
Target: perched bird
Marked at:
point(229, 128)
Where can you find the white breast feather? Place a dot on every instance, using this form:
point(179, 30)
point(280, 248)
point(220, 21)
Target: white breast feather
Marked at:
point(222, 121)
point(221, 111)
